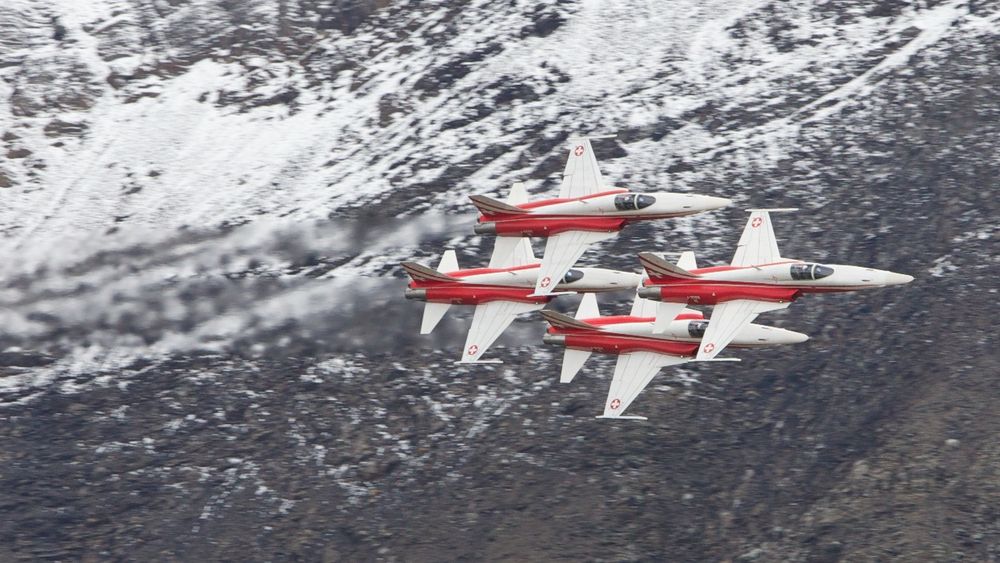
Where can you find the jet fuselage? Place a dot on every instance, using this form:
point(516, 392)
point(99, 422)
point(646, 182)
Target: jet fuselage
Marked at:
point(621, 334)
point(481, 285)
point(607, 211)
point(778, 282)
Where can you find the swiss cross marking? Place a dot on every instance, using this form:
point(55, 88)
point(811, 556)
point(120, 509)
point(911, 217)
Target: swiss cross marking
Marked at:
point(756, 222)
point(709, 347)
point(473, 349)
point(578, 151)
point(615, 403)
point(546, 281)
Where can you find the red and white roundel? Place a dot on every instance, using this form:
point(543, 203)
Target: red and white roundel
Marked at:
point(546, 281)
point(578, 151)
point(756, 222)
point(709, 348)
point(615, 403)
point(473, 349)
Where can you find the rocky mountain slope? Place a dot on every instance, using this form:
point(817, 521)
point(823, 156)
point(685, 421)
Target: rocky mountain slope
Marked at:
point(205, 353)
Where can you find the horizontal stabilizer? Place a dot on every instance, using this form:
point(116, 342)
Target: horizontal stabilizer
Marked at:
point(560, 320)
point(489, 206)
point(573, 360)
point(419, 272)
point(433, 312)
point(588, 307)
point(553, 294)
point(660, 270)
point(574, 138)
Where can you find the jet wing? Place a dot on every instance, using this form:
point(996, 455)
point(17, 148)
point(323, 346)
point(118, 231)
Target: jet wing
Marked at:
point(757, 244)
point(581, 177)
point(561, 252)
point(727, 320)
point(633, 372)
point(488, 323)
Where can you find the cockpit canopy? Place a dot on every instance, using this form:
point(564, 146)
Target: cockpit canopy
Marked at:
point(631, 202)
point(810, 271)
point(697, 328)
point(572, 276)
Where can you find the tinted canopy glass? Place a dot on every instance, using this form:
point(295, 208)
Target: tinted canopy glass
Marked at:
point(697, 328)
point(821, 271)
point(572, 276)
point(625, 202)
point(642, 201)
point(801, 271)
point(810, 271)
point(631, 202)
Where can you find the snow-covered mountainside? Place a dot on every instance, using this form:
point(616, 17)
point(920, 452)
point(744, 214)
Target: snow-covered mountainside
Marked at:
point(203, 208)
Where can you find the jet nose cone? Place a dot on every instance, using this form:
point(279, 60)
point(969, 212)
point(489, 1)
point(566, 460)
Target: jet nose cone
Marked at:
point(892, 278)
point(627, 279)
point(796, 337)
point(712, 202)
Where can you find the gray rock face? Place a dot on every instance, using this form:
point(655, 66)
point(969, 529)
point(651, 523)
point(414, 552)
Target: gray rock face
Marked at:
point(204, 350)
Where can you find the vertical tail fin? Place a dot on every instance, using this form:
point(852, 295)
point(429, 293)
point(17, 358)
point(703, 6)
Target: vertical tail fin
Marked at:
point(489, 206)
point(449, 262)
point(660, 270)
point(419, 273)
point(518, 194)
point(560, 320)
point(687, 261)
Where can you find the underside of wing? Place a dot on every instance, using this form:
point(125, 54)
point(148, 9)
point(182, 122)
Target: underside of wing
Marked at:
point(727, 320)
point(573, 360)
point(757, 243)
point(509, 252)
point(633, 372)
point(582, 177)
point(561, 252)
point(488, 323)
point(433, 312)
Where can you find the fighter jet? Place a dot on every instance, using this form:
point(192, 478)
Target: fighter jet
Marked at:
point(500, 292)
point(587, 211)
point(758, 280)
point(641, 352)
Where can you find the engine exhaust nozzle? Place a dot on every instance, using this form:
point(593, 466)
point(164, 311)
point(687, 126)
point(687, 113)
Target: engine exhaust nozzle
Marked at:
point(418, 294)
point(554, 339)
point(485, 228)
point(649, 293)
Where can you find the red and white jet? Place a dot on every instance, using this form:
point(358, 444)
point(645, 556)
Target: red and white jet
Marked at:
point(758, 280)
point(641, 351)
point(587, 211)
point(500, 292)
